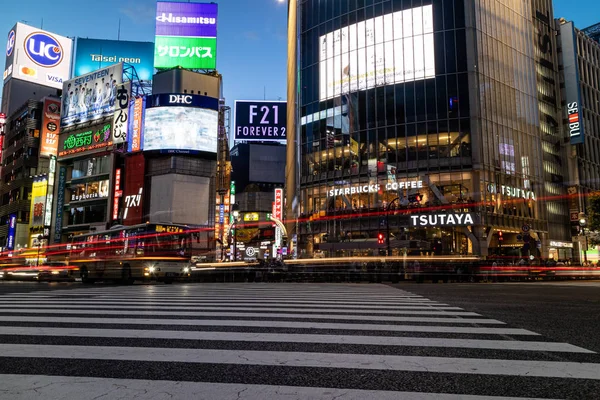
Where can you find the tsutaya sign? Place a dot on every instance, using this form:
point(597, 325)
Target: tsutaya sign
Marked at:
point(449, 219)
point(511, 191)
point(374, 188)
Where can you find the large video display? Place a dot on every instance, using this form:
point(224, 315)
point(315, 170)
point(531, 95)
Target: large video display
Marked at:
point(181, 128)
point(393, 48)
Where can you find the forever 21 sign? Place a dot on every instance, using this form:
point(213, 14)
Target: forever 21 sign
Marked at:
point(260, 120)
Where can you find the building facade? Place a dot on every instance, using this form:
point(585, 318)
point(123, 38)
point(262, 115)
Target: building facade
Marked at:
point(580, 73)
point(429, 122)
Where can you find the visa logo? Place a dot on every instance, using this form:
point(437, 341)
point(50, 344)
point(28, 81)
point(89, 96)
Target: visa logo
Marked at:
point(54, 78)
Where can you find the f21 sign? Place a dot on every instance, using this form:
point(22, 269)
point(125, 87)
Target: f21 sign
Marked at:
point(260, 120)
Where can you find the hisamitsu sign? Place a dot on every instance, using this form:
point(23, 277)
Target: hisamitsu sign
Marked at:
point(260, 120)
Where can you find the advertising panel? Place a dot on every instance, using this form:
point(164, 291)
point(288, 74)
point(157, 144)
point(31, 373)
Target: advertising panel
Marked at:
point(181, 128)
point(136, 129)
point(278, 207)
point(260, 120)
point(60, 203)
point(117, 194)
point(91, 96)
point(133, 191)
point(38, 203)
point(50, 195)
point(186, 35)
point(94, 54)
point(12, 231)
point(50, 127)
point(37, 56)
point(393, 48)
point(121, 115)
point(572, 84)
point(183, 100)
point(95, 138)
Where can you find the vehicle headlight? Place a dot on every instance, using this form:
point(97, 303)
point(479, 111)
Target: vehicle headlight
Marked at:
point(186, 270)
point(55, 272)
point(152, 269)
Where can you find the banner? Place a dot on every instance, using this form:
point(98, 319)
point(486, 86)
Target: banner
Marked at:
point(136, 128)
point(12, 231)
point(134, 187)
point(93, 54)
point(186, 35)
point(37, 56)
point(260, 120)
point(121, 115)
point(60, 204)
point(38, 204)
point(50, 127)
point(90, 97)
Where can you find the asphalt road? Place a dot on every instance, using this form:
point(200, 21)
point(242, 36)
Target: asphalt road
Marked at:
point(299, 341)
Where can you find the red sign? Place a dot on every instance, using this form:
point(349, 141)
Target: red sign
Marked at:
point(278, 209)
point(117, 189)
point(136, 132)
point(50, 127)
point(133, 191)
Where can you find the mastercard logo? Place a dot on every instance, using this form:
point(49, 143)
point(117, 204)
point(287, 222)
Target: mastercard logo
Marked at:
point(28, 71)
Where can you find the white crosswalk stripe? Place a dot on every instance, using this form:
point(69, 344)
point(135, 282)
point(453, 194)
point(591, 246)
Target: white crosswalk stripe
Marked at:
point(275, 341)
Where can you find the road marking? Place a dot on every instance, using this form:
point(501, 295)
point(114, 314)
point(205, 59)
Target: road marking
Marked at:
point(296, 338)
point(274, 315)
point(83, 388)
point(548, 369)
point(270, 324)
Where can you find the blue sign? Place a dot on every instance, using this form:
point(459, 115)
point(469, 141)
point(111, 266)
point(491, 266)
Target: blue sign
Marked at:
point(222, 213)
point(60, 203)
point(43, 49)
point(183, 100)
point(12, 230)
point(10, 44)
point(93, 54)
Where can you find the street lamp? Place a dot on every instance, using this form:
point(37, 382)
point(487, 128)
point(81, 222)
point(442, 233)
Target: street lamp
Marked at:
point(387, 224)
point(39, 238)
point(583, 223)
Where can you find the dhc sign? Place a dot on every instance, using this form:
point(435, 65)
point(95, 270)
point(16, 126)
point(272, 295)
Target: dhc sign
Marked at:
point(180, 99)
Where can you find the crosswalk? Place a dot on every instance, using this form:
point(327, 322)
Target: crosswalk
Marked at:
point(274, 341)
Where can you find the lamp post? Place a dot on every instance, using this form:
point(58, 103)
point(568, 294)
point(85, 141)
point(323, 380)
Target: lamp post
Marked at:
point(387, 224)
point(236, 215)
point(583, 223)
point(39, 238)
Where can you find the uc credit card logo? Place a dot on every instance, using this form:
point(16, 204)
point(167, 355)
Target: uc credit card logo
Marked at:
point(10, 44)
point(43, 49)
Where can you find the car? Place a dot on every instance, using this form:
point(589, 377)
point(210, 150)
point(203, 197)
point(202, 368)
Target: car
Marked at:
point(319, 254)
point(56, 271)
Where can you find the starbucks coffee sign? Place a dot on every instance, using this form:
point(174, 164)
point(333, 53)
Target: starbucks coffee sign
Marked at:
point(374, 188)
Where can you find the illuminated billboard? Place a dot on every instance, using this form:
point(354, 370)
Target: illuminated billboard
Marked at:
point(50, 127)
point(94, 54)
point(186, 35)
point(90, 97)
point(37, 56)
point(96, 138)
point(260, 120)
point(393, 48)
point(136, 127)
point(38, 203)
point(185, 129)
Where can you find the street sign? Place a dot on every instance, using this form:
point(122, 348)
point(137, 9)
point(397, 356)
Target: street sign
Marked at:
point(525, 228)
point(519, 237)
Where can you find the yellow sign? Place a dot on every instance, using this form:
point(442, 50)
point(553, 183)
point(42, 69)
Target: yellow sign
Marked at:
point(38, 204)
point(252, 217)
point(168, 229)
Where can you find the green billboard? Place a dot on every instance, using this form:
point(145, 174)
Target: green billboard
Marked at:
point(186, 52)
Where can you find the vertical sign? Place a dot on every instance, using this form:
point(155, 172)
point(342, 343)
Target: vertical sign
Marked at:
point(60, 203)
point(136, 129)
point(50, 127)
point(49, 196)
point(222, 214)
point(134, 187)
point(38, 204)
point(12, 228)
point(278, 212)
point(572, 83)
point(121, 115)
point(186, 35)
point(116, 195)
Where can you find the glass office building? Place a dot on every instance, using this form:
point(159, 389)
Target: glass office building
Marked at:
point(421, 119)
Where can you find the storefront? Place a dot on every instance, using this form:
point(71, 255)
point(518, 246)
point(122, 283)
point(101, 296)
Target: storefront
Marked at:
point(560, 251)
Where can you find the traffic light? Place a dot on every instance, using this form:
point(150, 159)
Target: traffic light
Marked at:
point(380, 238)
point(500, 238)
point(415, 198)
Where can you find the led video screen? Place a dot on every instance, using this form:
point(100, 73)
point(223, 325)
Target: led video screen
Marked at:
point(181, 128)
point(393, 48)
